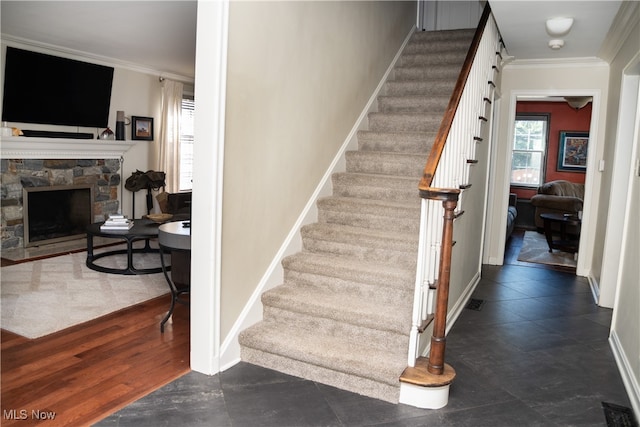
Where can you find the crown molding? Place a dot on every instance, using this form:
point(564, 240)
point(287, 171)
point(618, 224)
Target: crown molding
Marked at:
point(624, 22)
point(556, 63)
point(23, 43)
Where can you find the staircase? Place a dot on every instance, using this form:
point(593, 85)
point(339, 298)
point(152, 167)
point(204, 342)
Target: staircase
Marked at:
point(343, 314)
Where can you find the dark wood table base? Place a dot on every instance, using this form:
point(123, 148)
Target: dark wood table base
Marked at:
point(143, 229)
point(565, 243)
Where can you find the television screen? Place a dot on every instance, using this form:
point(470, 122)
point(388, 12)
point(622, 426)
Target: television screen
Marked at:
point(47, 89)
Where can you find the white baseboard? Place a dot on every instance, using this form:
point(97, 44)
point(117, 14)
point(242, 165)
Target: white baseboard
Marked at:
point(626, 372)
point(595, 288)
point(252, 312)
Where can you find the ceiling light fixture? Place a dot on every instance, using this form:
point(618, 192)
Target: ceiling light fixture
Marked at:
point(556, 44)
point(577, 102)
point(559, 26)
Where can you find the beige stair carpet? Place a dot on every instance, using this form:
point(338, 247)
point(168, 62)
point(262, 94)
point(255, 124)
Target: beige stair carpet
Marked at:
point(343, 314)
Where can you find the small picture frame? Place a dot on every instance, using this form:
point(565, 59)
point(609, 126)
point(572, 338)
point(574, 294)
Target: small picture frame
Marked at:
point(572, 151)
point(142, 128)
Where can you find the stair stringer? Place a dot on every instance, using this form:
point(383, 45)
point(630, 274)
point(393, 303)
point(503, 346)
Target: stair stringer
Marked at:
point(252, 312)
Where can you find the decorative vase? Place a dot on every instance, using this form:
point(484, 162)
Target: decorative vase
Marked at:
point(107, 134)
point(120, 125)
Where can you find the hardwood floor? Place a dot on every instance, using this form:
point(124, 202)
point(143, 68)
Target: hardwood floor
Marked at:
point(89, 371)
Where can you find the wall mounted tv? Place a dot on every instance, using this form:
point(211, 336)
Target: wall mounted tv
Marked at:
point(46, 89)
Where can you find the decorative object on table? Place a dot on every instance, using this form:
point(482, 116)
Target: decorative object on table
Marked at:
point(159, 217)
point(572, 151)
point(142, 128)
point(120, 123)
point(107, 134)
point(116, 223)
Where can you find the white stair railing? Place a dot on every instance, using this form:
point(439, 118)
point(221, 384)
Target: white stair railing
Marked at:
point(451, 175)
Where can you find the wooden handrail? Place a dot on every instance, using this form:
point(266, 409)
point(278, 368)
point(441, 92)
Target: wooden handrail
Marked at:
point(445, 126)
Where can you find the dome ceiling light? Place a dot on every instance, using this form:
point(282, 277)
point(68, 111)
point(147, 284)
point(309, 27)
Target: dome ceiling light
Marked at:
point(557, 27)
point(577, 102)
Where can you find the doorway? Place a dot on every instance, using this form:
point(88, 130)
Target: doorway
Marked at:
point(500, 176)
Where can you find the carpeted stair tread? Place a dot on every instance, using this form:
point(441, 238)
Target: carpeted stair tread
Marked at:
point(404, 122)
point(392, 342)
point(374, 186)
point(362, 272)
point(376, 162)
point(426, 59)
point(346, 308)
point(335, 353)
point(465, 34)
point(444, 71)
point(413, 104)
point(393, 142)
point(433, 87)
point(358, 243)
point(370, 213)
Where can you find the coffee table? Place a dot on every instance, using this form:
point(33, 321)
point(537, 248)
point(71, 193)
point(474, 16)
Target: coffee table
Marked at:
point(143, 229)
point(565, 243)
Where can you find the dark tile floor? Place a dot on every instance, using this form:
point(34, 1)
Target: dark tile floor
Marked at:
point(535, 354)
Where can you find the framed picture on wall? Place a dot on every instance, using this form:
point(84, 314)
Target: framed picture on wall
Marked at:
point(572, 151)
point(142, 128)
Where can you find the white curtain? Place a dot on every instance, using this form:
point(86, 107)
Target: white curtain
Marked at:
point(169, 150)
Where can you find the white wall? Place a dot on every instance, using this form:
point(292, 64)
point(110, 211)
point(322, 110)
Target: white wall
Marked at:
point(621, 274)
point(299, 74)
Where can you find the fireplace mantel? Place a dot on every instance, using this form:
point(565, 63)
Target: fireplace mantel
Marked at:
point(57, 148)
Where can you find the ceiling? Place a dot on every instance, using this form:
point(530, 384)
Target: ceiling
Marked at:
point(156, 35)
point(522, 25)
point(161, 35)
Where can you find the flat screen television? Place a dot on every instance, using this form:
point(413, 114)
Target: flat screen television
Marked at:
point(46, 89)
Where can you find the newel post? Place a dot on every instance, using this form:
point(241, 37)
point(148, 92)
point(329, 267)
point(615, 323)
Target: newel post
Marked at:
point(436, 363)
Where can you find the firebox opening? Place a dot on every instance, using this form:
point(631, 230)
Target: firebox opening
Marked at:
point(56, 213)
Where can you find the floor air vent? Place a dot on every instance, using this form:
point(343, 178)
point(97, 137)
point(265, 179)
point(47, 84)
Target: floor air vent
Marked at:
point(475, 304)
point(618, 416)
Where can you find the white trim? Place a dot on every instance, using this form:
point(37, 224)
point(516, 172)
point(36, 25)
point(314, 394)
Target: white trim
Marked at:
point(65, 52)
point(20, 147)
point(595, 287)
point(273, 276)
point(591, 196)
point(615, 237)
point(556, 63)
point(626, 372)
point(620, 30)
point(424, 397)
point(211, 64)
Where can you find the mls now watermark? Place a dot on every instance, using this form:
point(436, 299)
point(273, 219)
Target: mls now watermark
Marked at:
point(23, 414)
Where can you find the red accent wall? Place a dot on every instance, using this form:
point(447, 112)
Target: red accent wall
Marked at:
point(561, 118)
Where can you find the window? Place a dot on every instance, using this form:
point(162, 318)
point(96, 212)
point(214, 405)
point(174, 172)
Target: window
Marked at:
point(529, 150)
point(186, 144)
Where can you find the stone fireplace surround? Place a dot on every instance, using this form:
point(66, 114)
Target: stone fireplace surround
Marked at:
point(44, 162)
point(103, 174)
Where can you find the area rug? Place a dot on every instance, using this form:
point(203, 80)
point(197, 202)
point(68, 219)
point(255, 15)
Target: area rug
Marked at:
point(535, 249)
point(48, 295)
